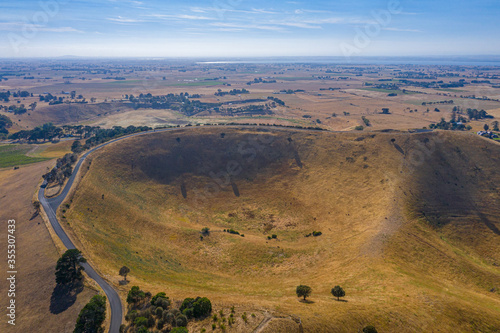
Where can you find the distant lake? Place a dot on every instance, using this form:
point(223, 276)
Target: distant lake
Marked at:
point(455, 61)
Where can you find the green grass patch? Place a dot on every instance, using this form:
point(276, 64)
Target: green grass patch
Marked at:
point(15, 155)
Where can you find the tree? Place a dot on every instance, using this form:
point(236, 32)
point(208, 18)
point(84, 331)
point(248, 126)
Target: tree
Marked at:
point(36, 205)
point(76, 147)
point(303, 291)
point(495, 126)
point(135, 295)
point(486, 127)
point(68, 268)
point(92, 316)
point(369, 329)
point(202, 307)
point(338, 292)
point(124, 271)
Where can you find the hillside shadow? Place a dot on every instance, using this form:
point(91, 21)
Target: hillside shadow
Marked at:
point(64, 296)
point(488, 223)
point(220, 160)
point(455, 182)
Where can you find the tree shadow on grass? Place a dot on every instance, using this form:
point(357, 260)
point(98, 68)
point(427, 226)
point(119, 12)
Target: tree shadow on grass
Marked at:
point(64, 296)
point(340, 300)
point(306, 301)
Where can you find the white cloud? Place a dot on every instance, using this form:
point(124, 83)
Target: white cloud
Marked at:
point(19, 26)
point(247, 26)
point(121, 19)
point(180, 17)
point(300, 25)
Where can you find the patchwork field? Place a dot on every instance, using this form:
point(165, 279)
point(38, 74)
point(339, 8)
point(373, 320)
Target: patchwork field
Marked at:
point(410, 224)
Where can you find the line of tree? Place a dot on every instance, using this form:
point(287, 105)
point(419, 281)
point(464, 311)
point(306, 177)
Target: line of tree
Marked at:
point(475, 114)
point(231, 92)
point(62, 170)
point(94, 134)
point(305, 291)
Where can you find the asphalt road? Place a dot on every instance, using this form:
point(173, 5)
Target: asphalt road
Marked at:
point(51, 205)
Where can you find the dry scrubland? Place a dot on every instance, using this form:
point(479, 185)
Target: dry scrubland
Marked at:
point(410, 225)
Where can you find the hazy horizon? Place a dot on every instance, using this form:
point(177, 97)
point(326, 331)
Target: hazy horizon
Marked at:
point(236, 28)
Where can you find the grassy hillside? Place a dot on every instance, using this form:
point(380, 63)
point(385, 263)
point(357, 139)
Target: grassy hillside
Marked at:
point(409, 226)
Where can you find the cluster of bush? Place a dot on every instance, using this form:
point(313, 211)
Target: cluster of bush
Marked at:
point(276, 100)
point(234, 232)
point(92, 316)
point(450, 126)
point(62, 170)
point(314, 233)
point(5, 123)
point(147, 312)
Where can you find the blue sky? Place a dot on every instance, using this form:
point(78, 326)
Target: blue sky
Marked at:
point(238, 28)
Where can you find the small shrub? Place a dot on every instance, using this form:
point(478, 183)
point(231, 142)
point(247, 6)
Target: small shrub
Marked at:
point(181, 321)
point(140, 321)
point(274, 236)
point(214, 327)
point(244, 317)
point(232, 231)
point(317, 233)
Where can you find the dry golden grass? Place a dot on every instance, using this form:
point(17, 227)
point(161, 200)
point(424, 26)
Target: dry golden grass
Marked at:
point(36, 257)
point(401, 271)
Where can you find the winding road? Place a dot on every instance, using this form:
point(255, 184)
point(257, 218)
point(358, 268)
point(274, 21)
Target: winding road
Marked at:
point(51, 205)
